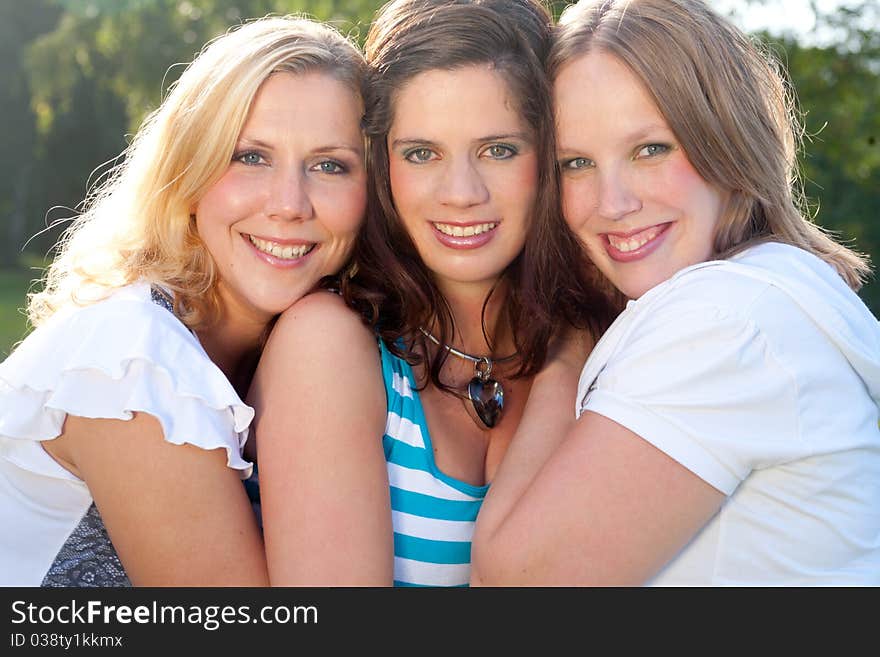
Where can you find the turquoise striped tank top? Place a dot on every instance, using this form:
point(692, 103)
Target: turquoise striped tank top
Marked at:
point(432, 514)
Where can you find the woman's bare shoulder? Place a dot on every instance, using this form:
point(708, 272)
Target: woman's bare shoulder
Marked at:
point(325, 317)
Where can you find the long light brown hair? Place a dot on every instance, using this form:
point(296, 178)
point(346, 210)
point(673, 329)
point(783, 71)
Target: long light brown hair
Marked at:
point(138, 224)
point(727, 101)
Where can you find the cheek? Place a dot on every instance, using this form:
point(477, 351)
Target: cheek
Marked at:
point(406, 187)
point(226, 201)
point(210, 218)
point(346, 209)
point(522, 185)
point(678, 177)
point(682, 185)
point(578, 203)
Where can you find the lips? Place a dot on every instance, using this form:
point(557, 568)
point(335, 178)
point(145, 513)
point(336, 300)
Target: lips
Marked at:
point(635, 244)
point(464, 236)
point(283, 253)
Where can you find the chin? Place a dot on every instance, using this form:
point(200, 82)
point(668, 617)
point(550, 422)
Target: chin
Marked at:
point(629, 289)
point(276, 306)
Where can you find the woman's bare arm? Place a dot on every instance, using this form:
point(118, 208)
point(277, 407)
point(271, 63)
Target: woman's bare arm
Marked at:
point(320, 402)
point(583, 502)
point(177, 514)
point(607, 508)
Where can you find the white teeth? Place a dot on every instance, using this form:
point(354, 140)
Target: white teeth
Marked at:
point(628, 244)
point(279, 251)
point(465, 231)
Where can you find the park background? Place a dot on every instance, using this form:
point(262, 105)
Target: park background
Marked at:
point(78, 76)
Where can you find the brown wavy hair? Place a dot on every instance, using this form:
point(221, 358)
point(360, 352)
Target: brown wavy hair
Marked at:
point(727, 101)
point(392, 287)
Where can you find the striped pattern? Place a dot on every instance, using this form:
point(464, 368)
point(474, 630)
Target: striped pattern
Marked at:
point(432, 514)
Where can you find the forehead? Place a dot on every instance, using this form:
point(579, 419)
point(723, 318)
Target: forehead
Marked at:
point(300, 95)
point(599, 93)
point(475, 97)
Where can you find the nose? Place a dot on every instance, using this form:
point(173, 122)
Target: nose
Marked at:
point(288, 198)
point(617, 197)
point(462, 184)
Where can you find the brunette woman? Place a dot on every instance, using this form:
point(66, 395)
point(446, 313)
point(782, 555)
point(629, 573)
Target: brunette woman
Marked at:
point(377, 442)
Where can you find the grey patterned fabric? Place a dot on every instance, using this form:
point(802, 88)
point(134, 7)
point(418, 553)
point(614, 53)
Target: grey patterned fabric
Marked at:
point(88, 558)
point(160, 296)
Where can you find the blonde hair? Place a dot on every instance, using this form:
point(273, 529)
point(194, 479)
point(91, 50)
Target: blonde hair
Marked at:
point(727, 102)
point(137, 224)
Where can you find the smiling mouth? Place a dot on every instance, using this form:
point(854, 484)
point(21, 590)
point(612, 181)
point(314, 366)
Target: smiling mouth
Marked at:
point(454, 230)
point(282, 251)
point(633, 242)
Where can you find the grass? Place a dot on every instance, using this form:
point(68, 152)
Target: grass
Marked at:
point(14, 285)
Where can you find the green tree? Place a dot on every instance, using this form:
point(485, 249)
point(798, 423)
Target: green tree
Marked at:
point(19, 24)
point(838, 91)
point(105, 66)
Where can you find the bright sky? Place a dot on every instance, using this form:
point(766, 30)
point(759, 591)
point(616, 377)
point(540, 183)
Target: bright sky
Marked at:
point(777, 16)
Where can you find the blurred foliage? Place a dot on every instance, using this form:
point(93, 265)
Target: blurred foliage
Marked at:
point(78, 76)
point(20, 23)
point(838, 92)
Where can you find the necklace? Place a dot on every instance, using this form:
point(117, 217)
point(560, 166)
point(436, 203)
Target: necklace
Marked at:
point(485, 393)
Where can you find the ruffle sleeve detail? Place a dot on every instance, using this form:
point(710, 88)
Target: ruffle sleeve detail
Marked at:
point(108, 360)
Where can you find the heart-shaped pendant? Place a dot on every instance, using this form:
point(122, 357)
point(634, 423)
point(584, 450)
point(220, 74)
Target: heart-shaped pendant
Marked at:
point(487, 397)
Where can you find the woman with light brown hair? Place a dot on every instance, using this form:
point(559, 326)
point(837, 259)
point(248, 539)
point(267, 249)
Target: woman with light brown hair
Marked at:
point(121, 416)
point(727, 422)
point(378, 439)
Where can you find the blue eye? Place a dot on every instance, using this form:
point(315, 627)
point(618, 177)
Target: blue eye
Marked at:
point(419, 155)
point(500, 151)
point(577, 163)
point(329, 166)
point(248, 157)
point(651, 150)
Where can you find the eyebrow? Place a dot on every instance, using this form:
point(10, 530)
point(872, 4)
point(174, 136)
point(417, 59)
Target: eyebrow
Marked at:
point(413, 141)
point(564, 153)
point(357, 150)
point(636, 135)
point(328, 148)
point(646, 131)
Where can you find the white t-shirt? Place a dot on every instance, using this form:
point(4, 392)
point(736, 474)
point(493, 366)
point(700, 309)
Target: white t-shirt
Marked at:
point(106, 360)
point(760, 374)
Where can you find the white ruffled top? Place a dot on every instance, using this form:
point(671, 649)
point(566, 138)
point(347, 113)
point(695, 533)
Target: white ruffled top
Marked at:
point(108, 360)
point(122, 355)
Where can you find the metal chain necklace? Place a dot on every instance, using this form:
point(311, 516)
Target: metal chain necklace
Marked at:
point(485, 393)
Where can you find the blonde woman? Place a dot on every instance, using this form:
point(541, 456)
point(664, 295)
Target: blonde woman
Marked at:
point(121, 416)
point(727, 429)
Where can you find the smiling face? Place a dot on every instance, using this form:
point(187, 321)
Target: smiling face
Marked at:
point(629, 191)
point(286, 211)
point(463, 170)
